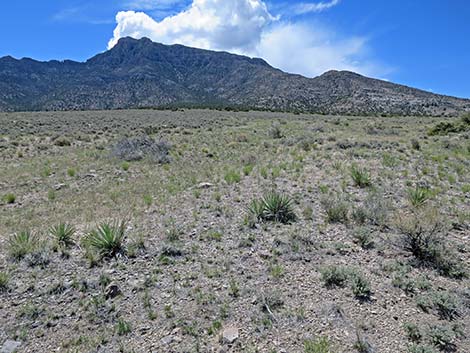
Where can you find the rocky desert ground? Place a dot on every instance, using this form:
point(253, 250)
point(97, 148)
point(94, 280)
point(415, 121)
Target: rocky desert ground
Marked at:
point(218, 231)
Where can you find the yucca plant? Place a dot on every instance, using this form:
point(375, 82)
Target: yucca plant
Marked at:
point(278, 208)
point(273, 207)
point(107, 239)
point(63, 234)
point(360, 176)
point(418, 196)
point(22, 244)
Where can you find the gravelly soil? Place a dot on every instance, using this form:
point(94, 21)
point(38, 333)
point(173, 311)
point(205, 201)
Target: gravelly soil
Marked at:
point(194, 264)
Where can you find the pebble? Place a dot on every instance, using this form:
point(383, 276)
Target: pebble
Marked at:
point(230, 335)
point(10, 346)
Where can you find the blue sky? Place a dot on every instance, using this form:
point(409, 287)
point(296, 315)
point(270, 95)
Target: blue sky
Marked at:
point(421, 43)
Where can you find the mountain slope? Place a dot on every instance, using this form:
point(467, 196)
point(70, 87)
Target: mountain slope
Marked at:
point(140, 73)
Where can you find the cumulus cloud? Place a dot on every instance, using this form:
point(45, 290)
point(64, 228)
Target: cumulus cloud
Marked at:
point(247, 27)
point(209, 24)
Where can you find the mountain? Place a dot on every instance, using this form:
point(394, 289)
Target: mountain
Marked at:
point(141, 73)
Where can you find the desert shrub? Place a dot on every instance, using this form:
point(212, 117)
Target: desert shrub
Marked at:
point(123, 327)
point(320, 345)
point(107, 239)
point(138, 148)
point(361, 345)
point(442, 337)
point(9, 198)
point(377, 208)
point(413, 332)
point(418, 195)
point(232, 177)
point(363, 236)
point(62, 234)
point(275, 131)
point(273, 207)
point(360, 286)
point(415, 145)
point(445, 128)
point(336, 208)
point(4, 279)
point(424, 235)
point(421, 348)
point(360, 176)
point(21, 244)
point(62, 141)
point(445, 304)
point(334, 276)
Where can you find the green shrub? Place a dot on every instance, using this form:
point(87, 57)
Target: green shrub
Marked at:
point(336, 208)
point(4, 279)
point(9, 198)
point(123, 328)
point(424, 235)
point(248, 169)
point(63, 234)
point(418, 196)
point(71, 172)
point(446, 305)
point(334, 276)
point(22, 244)
point(360, 286)
point(360, 176)
point(363, 236)
point(107, 239)
point(275, 131)
point(420, 348)
point(442, 337)
point(320, 345)
point(232, 177)
point(273, 207)
point(413, 332)
point(377, 208)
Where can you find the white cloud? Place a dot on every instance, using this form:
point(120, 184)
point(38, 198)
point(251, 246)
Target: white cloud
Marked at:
point(247, 27)
point(208, 24)
point(304, 8)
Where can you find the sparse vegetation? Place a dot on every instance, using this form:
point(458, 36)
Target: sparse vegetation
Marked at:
point(360, 176)
point(319, 345)
point(9, 198)
point(336, 208)
point(274, 207)
point(62, 234)
point(107, 239)
point(202, 257)
point(22, 244)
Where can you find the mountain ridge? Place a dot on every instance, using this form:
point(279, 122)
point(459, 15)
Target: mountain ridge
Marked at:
point(140, 73)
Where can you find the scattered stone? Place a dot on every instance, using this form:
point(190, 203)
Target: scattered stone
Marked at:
point(205, 186)
point(10, 346)
point(112, 291)
point(230, 335)
point(167, 340)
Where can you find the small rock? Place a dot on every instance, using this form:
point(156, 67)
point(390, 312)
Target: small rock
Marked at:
point(205, 186)
point(59, 186)
point(10, 346)
point(112, 291)
point(167, 340)
point(230, 335)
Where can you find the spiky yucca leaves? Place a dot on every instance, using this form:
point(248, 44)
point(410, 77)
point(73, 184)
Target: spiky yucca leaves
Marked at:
point(22, 244)
point(360, 176)
point(107, 239)
point(63, 234)
point(418, 196)
point(273, 207)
